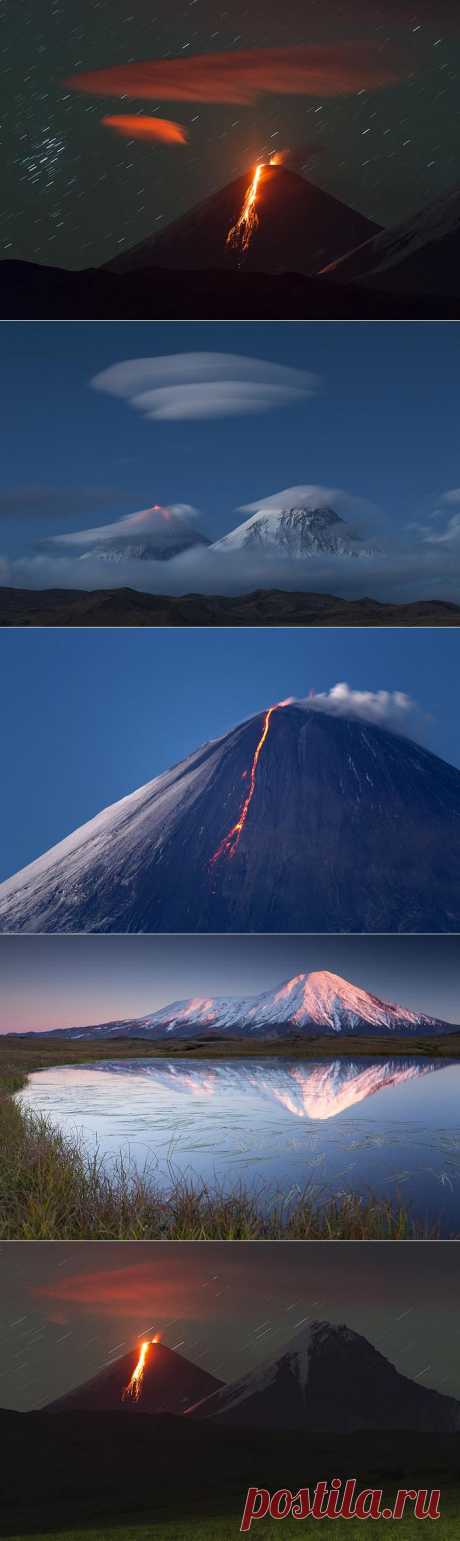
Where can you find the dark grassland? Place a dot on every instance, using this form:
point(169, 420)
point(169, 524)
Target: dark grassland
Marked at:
point(162, 1478)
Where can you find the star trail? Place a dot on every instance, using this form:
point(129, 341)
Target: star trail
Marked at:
point(75, 194)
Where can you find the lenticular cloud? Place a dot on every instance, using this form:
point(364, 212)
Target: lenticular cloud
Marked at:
point(204, 385)
point(242, 77)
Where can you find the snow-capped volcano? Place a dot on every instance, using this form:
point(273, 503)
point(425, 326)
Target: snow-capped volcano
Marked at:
point(420, 254)
point(330, 1379)
point(152, 534)
point(303, 531)
point(306, 1005)
point(295, 820)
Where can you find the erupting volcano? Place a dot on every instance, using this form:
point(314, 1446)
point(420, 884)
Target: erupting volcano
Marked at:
point(275, 223)
point(346, 826)
point(240, 234)
point(155, 534)
point(156, 1379)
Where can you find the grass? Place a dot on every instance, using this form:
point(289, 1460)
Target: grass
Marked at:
point(227, 1529)
point(50, 1189)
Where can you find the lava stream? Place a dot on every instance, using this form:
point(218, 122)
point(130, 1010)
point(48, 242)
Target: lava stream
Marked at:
point(240, 234)
point(134, 1387)
point(229, 845)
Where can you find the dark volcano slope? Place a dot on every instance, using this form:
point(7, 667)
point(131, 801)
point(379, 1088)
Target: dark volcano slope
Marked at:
point(350, 828)
point(299, 230)
point(332, 1379)
point(170, 1384)
point(419, 256)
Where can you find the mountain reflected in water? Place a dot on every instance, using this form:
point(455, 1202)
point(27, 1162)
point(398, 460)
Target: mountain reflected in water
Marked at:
point(366, 1125)
point(316, 1090)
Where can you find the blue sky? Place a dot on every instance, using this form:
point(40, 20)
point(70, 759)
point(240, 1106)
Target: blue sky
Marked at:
point(383, 425)
point(88, 716)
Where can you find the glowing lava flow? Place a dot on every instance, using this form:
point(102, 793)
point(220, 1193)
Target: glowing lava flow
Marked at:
point(240, 234)
point(134, 1387)
point(229, 845)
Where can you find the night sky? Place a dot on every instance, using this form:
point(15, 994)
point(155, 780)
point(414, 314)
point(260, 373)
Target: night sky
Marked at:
point(67, 1310)
point(370, 423)
point(91, 715)
point(75, 193)
point(51, 981)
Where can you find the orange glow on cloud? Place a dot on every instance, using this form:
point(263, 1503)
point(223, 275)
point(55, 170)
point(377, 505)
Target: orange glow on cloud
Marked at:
point(137, 1290)
point(242, 77)
point(131, 126)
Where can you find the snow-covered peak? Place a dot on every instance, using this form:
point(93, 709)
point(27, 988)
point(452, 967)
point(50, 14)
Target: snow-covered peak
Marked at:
point(307, 1003)
point(324, 998)
point(149, 534)
point(321, 999)
point(330, 1378)
point(298, 530)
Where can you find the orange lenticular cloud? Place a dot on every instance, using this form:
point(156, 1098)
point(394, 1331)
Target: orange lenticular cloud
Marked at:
point(131, 126)
point(242, 77)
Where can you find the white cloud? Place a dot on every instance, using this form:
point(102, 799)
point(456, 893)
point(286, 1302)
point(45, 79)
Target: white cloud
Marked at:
point(388, 708)
point(441, 527)
point(449, 536)
point(194, 386)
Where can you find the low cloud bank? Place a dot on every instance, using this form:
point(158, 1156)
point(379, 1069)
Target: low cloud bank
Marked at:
point(398, 579)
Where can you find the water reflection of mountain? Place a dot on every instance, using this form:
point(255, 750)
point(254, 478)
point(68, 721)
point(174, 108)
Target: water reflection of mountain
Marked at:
point(318, 1090)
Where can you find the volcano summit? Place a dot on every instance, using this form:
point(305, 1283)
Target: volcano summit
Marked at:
point(295, 820)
